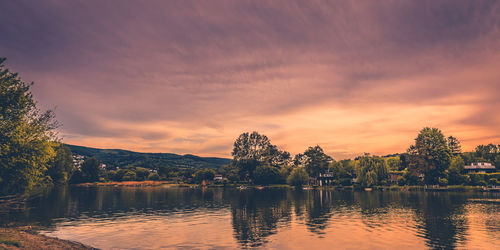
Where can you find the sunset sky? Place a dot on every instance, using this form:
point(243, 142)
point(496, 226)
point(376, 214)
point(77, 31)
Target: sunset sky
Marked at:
point(190, 76)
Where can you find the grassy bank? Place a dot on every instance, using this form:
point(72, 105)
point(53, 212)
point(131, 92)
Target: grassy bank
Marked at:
point(11, 238)
point(126, 183)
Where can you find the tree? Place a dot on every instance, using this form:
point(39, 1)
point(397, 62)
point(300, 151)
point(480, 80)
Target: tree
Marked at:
point(25, 135)
point(153, 176)
point(372, 170)
point(394, 163)
point(266, 174)
point(167, 172)
point(314, 160)
point(231, 172)
point(141, 173)
point(487, 152)
point(455, 176)
point(90, 169)
point(61, 167)
point(204, 175)
point(430, 155)
point(129, 175)
point(252, 150)
point(252, 146)
point(298, 177)
point(454, 145)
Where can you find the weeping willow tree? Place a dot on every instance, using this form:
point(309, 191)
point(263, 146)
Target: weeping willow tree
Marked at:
point(27, 135)
point(372, 171)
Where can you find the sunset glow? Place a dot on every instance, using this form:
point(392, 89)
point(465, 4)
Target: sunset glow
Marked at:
point(188, 77)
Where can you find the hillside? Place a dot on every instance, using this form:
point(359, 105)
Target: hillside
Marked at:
point(123, 158)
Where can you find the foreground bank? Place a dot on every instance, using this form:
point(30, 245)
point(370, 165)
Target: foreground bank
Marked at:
point(20, 239)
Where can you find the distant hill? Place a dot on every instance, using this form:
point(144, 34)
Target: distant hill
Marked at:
point(122, 158)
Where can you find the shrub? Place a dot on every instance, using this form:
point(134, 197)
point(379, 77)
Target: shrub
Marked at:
point(298, 177)
point(443, 182)
point(477, 179)
point(401, 181)
point(153, 176)
point(493, 181)
point(482, 183)
point(129, 176)
point(345, 182)
point(494, 175)
point(204, 175)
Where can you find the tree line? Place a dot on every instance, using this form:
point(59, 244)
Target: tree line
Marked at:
point(432, 159)
point(32, 155)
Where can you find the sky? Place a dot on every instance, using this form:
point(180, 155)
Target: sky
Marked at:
point(190, 76)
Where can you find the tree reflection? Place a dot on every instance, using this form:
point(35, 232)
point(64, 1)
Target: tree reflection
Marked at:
point(439, 218)
point(443, 220)
point(256, 215)
point(319, 204)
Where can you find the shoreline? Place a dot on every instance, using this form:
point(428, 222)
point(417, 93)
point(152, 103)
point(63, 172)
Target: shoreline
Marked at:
point(16, 238)
point(148, 183)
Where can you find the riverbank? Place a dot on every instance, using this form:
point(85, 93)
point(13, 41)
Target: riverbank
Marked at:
point(454, 188)
point(127, 184)
point(11, 238)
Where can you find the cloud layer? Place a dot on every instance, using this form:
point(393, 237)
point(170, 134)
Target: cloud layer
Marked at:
point(190, 76)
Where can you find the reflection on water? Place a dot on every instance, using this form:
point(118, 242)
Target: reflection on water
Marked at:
point(166, 217)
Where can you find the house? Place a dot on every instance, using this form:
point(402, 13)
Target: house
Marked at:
point(480, 167)
point(218, 178)
point(325, 178)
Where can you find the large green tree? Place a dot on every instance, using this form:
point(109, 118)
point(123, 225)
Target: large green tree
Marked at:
point(252, 150)
point(298, 177)
point(91, 169)
point(61, 168)
point(454, 145)
point(372, 170)
point(314, 160)
point(25, 135)
point(430, 155)
point(487, 152)
point(266, 174)
point(455, 171)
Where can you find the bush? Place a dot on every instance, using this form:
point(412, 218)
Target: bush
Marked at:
point(141, 173)
point(477, 179)
point(345, 182)
point(129, 176)
point(153, 176)
point(443, 182)
point(494, 175)
point(401, 181)
point(298, 177)
point(482, 183)
point(204, 175)
point(493, 181)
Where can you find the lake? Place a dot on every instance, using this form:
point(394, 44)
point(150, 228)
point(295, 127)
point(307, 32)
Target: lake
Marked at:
point(278, 218)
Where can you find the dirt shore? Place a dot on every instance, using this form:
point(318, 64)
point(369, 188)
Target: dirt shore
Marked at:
point(24, 239)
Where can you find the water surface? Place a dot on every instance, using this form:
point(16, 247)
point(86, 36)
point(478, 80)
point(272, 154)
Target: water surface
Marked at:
point(228, 218)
